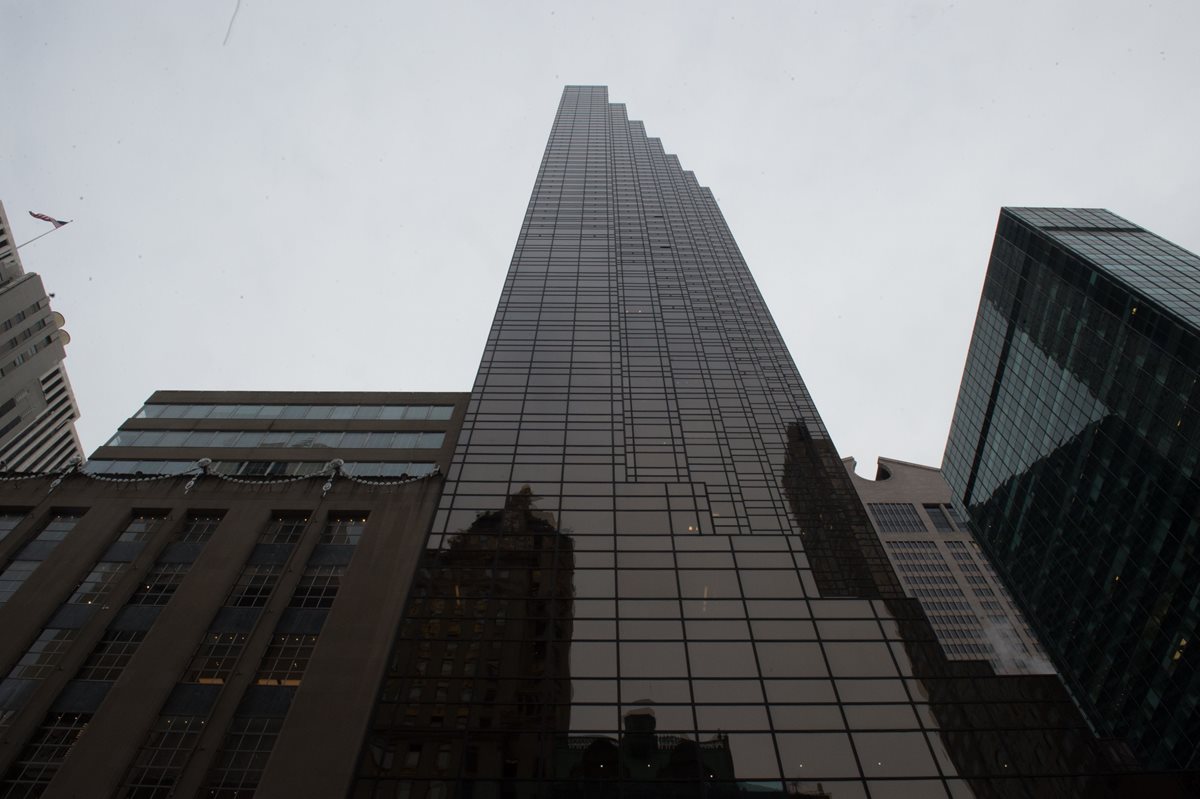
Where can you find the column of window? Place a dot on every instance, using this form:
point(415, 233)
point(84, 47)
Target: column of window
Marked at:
point(161, 760)
point(117, 647)
point(41, 659)
point(287, 657)
point(38, 762)
point(243, 756)
point(253, 731)
point(200, 527)
point(47, 651)
point(100, 581)
point(36, 551)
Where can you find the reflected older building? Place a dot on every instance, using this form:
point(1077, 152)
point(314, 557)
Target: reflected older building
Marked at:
point(490, 620)
point(732, 624)
point(1074, 450)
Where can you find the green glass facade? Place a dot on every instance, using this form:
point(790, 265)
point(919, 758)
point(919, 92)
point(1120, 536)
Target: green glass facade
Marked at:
point(1074, 450)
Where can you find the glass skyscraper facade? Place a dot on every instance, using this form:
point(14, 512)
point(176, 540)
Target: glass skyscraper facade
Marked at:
point(1074, 449)
point(649, 574)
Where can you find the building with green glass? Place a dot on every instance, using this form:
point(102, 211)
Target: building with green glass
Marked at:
point(1074, 450)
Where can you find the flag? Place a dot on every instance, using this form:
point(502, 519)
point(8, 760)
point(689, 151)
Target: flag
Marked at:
point(56, 222)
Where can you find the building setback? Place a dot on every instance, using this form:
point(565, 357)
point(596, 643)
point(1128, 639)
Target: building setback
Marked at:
point(1074, 449)
point(37, 405)
point(940, 563)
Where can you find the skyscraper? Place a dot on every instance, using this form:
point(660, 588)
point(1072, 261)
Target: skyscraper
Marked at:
point(1074, 448)
point(37, 405)
point(650, 574)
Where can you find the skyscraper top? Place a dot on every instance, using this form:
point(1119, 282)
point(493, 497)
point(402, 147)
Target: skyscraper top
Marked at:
point(1148, 265)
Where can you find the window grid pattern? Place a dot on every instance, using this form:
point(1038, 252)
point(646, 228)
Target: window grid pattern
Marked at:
point(318, 587)
point(263, 468)
point(344, 529)
point(199, 528)
point(160, 762)
point(19, 569)
point(141, 527)
point(624, 549)
point(243, 756)
point(38, 762)
point(111, 655)
point(160, 584)
point(266, 439)
point(254, 586)
point(283, 529)
point(286, 659)
point(366, 412)
point(896, 517)
point(98, 584)
point(44, 654)
point(215, 658)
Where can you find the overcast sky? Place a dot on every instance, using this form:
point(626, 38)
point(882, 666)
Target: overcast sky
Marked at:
point(329, 200)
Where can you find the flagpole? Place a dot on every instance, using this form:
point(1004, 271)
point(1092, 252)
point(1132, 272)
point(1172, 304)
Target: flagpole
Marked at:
point(47, 233)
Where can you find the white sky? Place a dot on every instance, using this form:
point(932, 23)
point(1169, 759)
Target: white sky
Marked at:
point(330, 200)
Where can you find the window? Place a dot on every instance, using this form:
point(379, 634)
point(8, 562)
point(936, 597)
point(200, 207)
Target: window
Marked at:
point(160, 584)
point(43, 655)
point(199, 527)
point(896, 517)
point(181, 411)
point(58, 527)
point(98, 584)
point(141, 527)
point(239, 764)
point(8, 521)
point(286, 659)
point(283, 529)
point(343, 529)
point(254, 586)
point(15, 576)
point(111, 655)
point(38, 762)
point(941, 522)
point(258, 438)
point(318, 587)
point(215, 658)
point(158, 765)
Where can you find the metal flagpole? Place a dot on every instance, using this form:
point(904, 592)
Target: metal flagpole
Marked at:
point(47, 233)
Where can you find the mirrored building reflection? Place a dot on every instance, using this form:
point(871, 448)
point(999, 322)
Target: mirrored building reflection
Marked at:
point(649, 573)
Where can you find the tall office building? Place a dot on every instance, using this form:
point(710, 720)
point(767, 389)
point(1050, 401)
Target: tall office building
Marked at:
point(650, 574)
point(37, 405)
point(939, 562)
point(1074, 449)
